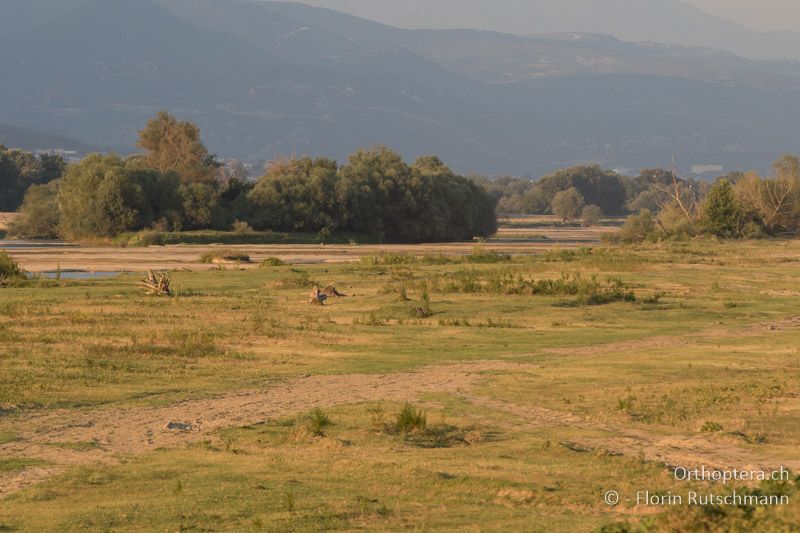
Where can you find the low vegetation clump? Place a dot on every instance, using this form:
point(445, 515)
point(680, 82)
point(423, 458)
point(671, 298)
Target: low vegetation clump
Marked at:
point(10, 272)
point(225, 256)
point(142, 238)
point(317, 422)
point(411, 419)
point(271, 262)
point(588, 291)
point(423, 310)
point(480, 256)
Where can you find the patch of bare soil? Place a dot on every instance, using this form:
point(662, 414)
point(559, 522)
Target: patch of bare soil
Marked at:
point(673, 450)
point(137, 430)
point(671, 341)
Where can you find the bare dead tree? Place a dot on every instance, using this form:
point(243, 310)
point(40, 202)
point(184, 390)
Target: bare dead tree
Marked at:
point(680, 194)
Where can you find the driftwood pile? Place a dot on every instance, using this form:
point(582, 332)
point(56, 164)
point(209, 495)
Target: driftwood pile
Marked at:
point(320, 296)
point(157, 283)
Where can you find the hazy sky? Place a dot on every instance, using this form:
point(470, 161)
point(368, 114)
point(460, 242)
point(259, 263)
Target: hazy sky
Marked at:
point(755, 14)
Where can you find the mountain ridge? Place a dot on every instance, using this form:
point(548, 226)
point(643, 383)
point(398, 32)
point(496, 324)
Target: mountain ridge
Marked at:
point(263, 79)
point(669, 21)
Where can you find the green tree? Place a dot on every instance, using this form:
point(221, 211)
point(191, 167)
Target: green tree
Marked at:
point(637, 228)
point(19, 170)
point(175, 146)
point(10, 182)
point(723, 215)
point(603, 188)
point(450, 207)
point(568, 204)
point(298, 195)
point(374, 188)
point(591, 215)
point(98, 197)
point(39, 215)
point(199, 201)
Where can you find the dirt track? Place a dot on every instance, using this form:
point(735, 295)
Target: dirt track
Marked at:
point(139, 430)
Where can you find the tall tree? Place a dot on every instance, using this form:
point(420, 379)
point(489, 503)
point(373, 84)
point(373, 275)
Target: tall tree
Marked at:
point(99, 197)
point(568, 204)
point(298, 195)
point(723, 214)
point(175, 146)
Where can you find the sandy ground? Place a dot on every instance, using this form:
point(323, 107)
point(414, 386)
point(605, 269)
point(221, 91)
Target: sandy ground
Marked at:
point(49, 256)
point(140, 430)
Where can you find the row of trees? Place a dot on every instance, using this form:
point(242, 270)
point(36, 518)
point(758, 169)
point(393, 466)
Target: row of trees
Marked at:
point(19, 170)
point(376, 194)
point(735, 206)
point(177, 185)
point(589, 186)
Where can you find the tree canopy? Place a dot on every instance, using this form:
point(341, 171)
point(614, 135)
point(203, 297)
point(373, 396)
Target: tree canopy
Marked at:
point(174, 146)
point(20, 170)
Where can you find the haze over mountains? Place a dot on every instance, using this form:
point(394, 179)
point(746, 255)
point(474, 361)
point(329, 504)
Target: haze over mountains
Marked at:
point(269, 78)
point(667, 21)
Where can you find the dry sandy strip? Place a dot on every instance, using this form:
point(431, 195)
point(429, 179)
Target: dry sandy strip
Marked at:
point(139, 430)
point(45, 256)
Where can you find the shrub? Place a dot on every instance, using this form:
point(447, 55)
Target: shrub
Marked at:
point(637, 228)
point(228, 256)
point(142, 238)
point(38, 217)
point(723, 215)
point(424, 310)
point(568, 204)
point(711, 427)
point(481, 256)
point(318, 422)
point(242, 228)
point(589, 291)
point(270, 262)
point(9, 269)
point(411, 419)
point(591, 215)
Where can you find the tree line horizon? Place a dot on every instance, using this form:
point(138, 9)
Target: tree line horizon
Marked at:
point(177, 185)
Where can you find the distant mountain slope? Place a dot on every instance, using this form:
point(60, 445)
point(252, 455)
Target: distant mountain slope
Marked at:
point(14, 137)
point(496, 57)
point(265, 78)
point(668, 21)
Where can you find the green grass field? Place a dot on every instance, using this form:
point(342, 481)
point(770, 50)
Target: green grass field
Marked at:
point(544, 383)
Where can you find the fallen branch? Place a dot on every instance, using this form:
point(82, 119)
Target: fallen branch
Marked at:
point(157, 284)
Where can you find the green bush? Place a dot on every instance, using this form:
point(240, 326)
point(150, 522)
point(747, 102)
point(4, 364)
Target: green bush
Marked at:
point(411, 419)
point(637, 228)
point(723, 214)
point(318, 422)
point(39, 216)
point(228, 256)
point(270, 262)
point(9, 269)
point(588, 291)
point(142, 238)
point(481, 256)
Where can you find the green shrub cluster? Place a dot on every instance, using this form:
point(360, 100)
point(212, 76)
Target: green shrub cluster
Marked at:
point(9, 270)
point(376, 194)
point(588, 291)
